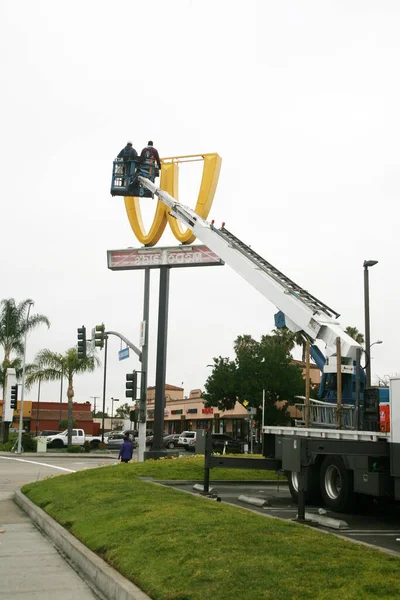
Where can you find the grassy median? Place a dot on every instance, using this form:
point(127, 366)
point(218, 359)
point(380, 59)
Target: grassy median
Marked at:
point(175, 546)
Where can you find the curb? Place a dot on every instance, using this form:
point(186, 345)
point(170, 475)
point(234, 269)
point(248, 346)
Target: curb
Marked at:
point(69, 455)
point(103, 578)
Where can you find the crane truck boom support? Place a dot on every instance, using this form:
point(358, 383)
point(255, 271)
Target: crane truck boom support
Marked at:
point(303, 312)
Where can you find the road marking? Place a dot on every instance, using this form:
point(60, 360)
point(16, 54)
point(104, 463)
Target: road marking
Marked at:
point(372, 532)
point(33, 462)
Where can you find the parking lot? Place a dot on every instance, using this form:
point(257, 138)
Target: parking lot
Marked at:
point(376, 524)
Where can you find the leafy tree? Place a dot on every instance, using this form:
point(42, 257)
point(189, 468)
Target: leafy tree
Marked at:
point(99, 414)
point(292, 339)
point(355, 334)
point(52, 366)
point(123, 411)
point(13, 326)
point(258, 366)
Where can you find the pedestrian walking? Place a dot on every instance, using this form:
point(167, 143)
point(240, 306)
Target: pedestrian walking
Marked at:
point(126, 450)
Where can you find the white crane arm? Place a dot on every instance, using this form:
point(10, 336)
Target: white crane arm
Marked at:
point(303, 312)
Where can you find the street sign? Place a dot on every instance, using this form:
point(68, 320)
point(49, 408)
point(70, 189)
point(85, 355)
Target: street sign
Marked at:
point(124, 353)
point(142, 333)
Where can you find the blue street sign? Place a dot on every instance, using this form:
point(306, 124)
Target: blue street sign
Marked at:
point(124, 353)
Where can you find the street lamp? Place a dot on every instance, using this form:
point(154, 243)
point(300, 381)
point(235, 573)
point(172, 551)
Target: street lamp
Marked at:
point(367, 263)
point(21, 404)
point(368, 355)
point(112, 409)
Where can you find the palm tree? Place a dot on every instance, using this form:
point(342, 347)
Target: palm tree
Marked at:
point(13, 326)
point(52, 366)
point(355, 334)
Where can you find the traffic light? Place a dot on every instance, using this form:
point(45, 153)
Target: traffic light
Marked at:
point(131, 385)
point(14, 396)
point(82, 342)
point(99, 336)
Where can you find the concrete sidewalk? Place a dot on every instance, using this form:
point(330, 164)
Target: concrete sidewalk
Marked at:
point(31, 567)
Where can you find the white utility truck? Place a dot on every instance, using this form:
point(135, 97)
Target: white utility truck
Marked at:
point(341, 448)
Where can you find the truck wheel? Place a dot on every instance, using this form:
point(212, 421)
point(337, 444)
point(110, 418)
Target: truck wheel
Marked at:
point(336, 484)
point(57, 444)
point(94, 444)
point(313, 492)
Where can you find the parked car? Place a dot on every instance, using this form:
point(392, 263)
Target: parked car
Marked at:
point(221, 441)
point(115, 440)
point(171, 441)
point(185, 437)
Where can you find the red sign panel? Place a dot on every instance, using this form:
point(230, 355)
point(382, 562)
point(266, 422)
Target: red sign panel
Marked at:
point(175, 256)
point(207, 411)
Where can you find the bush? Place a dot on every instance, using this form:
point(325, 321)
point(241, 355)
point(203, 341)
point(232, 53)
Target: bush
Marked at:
point(102, 446)
point(74, 449)
point(86, 446)
point(28, 443)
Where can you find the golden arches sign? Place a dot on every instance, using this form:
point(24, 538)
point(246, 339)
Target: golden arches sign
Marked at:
point(169, 183)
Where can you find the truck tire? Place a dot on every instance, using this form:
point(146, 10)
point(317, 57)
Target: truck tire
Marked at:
point(57, 444)
point(313, 494)
point(336, 484)
point(94, 444)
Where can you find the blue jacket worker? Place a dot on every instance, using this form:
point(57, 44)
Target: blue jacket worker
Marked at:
point(128, 153)
point(126, 450)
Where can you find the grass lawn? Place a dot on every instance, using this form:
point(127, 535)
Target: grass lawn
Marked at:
point(180, 547)
point(193, 468)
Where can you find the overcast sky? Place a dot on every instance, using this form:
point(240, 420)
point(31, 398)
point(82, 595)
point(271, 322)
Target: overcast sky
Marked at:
point(301, 100)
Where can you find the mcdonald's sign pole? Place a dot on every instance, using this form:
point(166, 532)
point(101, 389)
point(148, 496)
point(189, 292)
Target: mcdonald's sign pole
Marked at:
point(157, 449)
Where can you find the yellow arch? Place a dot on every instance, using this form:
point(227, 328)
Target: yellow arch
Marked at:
point(169, 183)
point(209, 181)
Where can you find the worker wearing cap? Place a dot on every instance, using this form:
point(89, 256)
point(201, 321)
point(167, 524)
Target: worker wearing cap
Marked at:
point(150, 153)
point(128, 153)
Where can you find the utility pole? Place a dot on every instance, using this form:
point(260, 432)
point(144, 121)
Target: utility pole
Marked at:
point(94, 403)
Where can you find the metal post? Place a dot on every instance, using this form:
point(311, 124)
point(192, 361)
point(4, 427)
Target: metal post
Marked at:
point(206, 485)
point(61, 391)
point(301, 495)
point(339, 382)
point(367, 328)
point(21, 404)
point(358, 387)
point(307, 419)
point(37, 410)
point(144, 360)
point(161, 362)
point(262, 422)
point(104, 386)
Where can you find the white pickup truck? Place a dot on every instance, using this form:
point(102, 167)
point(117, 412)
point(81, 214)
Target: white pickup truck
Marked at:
point(79, 437)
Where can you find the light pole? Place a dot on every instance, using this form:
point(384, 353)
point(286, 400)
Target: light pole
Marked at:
point(112, 409)
point(367, 263)
point(368, 355)
point(21, 404)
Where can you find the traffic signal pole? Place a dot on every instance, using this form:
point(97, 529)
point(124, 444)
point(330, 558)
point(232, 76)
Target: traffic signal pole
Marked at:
point(104, 386)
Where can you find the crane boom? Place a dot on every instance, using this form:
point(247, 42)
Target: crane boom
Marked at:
point(303, 312)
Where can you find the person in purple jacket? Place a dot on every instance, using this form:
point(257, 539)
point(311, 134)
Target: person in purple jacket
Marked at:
point(126, 450)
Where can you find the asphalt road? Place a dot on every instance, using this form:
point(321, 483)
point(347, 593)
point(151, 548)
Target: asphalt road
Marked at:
point(376, 524)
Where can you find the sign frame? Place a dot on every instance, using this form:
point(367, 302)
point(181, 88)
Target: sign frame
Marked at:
point(197, 255)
